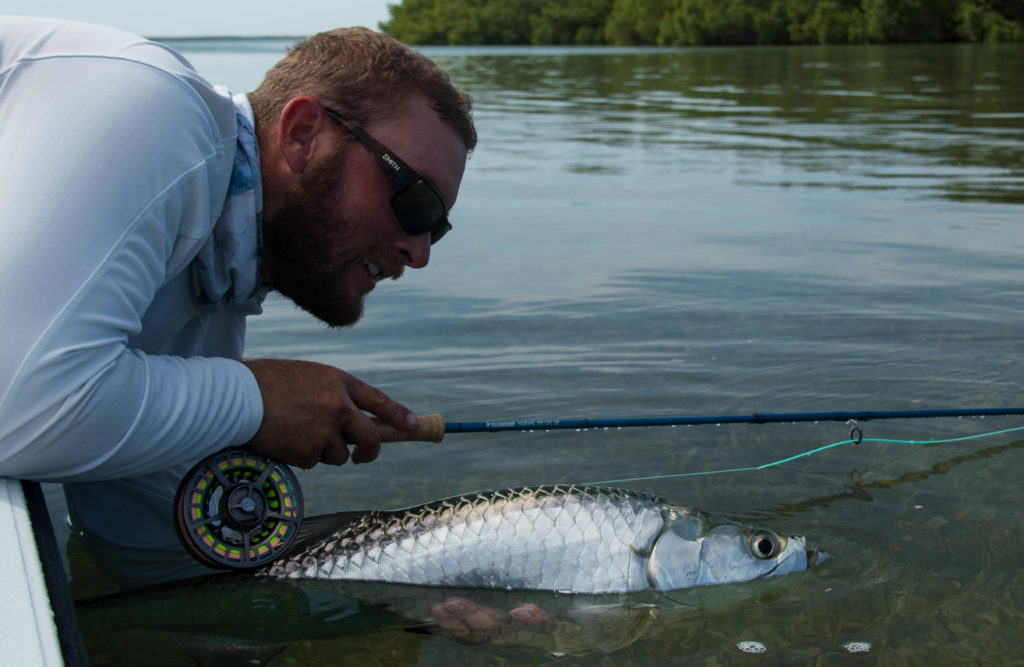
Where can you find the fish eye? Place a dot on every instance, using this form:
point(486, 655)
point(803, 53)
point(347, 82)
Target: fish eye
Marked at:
point(764, 545)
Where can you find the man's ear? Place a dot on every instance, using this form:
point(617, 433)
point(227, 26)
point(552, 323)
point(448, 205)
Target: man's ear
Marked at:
point(301, 131)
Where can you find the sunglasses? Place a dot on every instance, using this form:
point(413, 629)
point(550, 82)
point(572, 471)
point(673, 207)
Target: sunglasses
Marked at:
point(416, 202)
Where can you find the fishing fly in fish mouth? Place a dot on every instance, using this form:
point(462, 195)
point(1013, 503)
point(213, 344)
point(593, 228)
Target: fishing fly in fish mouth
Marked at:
point(570, 539)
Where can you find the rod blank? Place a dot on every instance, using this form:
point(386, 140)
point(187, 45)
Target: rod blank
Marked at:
point(430, 429)
point(756, 418)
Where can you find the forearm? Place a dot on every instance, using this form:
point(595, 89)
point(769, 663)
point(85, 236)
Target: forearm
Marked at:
point(137, 415)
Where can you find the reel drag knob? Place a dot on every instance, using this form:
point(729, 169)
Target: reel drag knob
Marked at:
point(238, 509)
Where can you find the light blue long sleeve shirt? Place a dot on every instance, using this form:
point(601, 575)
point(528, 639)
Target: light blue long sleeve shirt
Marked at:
point(115, 157)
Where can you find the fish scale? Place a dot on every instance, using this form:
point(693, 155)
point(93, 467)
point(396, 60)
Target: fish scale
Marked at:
point(555, 538)
point(566, 538)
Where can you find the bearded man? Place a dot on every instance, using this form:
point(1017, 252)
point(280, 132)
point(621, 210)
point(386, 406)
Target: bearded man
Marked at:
point(147, 213)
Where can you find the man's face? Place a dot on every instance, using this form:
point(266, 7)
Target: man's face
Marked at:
point(334, 236)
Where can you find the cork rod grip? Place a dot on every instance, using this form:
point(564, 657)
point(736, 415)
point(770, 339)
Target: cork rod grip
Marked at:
point(430, 429)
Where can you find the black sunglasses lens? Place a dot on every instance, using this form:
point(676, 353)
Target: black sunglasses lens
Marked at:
point(419, 210)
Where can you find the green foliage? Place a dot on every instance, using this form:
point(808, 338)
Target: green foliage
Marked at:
point(463, 21)
point(710, 22)
point(571, 22)
point(704, 22)
point(910, 20)
point(992, 21)
point(637, 22)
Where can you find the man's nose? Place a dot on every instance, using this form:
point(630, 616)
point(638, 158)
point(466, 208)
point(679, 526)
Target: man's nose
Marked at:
point(415, 250)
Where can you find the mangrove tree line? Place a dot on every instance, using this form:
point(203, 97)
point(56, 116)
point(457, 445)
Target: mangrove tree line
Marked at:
point(704, 22)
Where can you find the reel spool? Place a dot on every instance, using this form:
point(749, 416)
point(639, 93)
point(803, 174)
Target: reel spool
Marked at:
point(237, 509)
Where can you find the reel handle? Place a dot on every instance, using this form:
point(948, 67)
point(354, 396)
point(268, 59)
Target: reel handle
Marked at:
point(429, 429)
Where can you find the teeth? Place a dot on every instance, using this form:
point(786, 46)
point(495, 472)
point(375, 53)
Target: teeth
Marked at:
point(372, 268)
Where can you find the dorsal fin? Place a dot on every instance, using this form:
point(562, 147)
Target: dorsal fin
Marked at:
point(316, 528)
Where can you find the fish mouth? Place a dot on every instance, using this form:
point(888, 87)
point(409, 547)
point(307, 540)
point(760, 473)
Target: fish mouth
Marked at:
point(815, 556)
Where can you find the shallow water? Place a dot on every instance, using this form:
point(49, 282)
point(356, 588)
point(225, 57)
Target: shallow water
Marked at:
point(649, 232)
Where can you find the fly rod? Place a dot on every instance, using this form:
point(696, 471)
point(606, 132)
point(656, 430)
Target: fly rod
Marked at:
point(239, 509)
point(433, 428)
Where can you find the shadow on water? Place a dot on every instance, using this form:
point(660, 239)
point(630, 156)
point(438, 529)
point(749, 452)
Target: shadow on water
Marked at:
point(859, 488)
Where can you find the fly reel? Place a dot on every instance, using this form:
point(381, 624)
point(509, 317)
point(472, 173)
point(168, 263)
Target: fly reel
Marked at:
point(238, 509)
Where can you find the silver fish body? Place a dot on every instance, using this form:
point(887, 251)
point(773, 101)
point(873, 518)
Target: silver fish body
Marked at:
point(565, 538)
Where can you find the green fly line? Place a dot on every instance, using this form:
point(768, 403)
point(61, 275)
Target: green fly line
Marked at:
point(811, 452)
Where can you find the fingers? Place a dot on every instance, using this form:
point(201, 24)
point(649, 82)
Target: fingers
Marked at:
point(335, 455)
point(376, 402)
point(465, 620)
point(360, 430)
point(313, 412)
point(472, 622)
point(532, 618)
point(357, 429)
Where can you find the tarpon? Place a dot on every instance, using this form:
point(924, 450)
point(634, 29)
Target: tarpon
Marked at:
point(627, 558)
point(565, 538)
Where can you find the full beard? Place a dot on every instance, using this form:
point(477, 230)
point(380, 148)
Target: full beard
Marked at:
point(307, 248)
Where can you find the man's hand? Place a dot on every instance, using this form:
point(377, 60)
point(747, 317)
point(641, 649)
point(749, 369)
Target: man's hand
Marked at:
point(312, 412)
point(475, 623)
